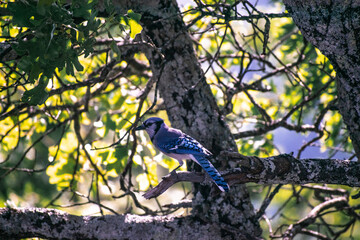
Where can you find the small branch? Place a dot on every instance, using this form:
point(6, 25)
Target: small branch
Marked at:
point(186, 203)
point(171, 179)
point(315, 234)
point(267, 201)
point(311, 217)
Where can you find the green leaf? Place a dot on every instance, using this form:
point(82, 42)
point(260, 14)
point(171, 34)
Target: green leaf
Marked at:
point(133, 20)
point(69, 68)
point(116, 160)
point(77, 64)
point(34, 73)
point(135, 16)
point(109, 123)
point(38, 94)
point(135, 28)
point(61, 173)
point(43, 6)
point(115, 49)
point(23, 13)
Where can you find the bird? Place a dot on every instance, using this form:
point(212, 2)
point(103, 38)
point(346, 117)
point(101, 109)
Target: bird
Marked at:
point(180, 146)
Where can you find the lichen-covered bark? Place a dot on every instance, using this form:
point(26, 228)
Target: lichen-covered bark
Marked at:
point(286, 169)
point(54, 224)
point(281, 169)
point(334, 27)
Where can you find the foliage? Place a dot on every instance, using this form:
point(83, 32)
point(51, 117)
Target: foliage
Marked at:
point(50, 35)
point(80, 81)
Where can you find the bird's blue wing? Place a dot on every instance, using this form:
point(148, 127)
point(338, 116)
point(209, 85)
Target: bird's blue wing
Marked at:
point(187, 145)
point(183, 145)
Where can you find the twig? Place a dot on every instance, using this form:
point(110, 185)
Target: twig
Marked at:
point(171, 179)
point(299, 226)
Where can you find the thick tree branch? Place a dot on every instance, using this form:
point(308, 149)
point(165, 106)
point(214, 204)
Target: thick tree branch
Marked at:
point(54, 224)
point(281, 169)
point(286, 169)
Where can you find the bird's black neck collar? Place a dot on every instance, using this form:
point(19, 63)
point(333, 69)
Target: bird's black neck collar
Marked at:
point(158, 126)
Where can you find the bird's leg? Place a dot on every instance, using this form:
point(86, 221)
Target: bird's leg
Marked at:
point(181, 162)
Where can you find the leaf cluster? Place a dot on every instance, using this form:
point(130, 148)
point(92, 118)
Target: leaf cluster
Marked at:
point(53, 34)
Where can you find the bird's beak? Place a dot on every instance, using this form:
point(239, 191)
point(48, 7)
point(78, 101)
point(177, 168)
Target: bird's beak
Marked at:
point(141, 127)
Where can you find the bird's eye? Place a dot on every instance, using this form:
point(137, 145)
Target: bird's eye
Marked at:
point(148, 124)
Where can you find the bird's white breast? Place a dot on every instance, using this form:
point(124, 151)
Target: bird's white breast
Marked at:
point(179, 157)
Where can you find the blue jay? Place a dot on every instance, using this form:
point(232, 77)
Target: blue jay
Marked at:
point(176, 144)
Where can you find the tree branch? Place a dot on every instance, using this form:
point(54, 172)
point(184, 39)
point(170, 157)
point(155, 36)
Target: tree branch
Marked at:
point(286, 169)
point(281, 169)
point(171, 179)
point(16, 223)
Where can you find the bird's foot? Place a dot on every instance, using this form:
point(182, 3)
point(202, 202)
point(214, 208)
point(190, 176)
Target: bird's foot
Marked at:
point(173, 172)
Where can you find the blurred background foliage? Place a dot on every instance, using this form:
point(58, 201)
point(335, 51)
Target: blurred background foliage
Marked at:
point(77, 83)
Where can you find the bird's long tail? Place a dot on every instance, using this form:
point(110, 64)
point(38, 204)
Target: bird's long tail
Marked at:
point(214, 174)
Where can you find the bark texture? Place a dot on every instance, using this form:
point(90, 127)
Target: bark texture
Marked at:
point(281, 169)
point(192, 108)
point(54, 224)
point(285, 169)
point(333, 26)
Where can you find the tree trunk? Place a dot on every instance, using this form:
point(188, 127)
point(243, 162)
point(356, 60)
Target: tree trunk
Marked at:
point(192, 108)
point(334, 28)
